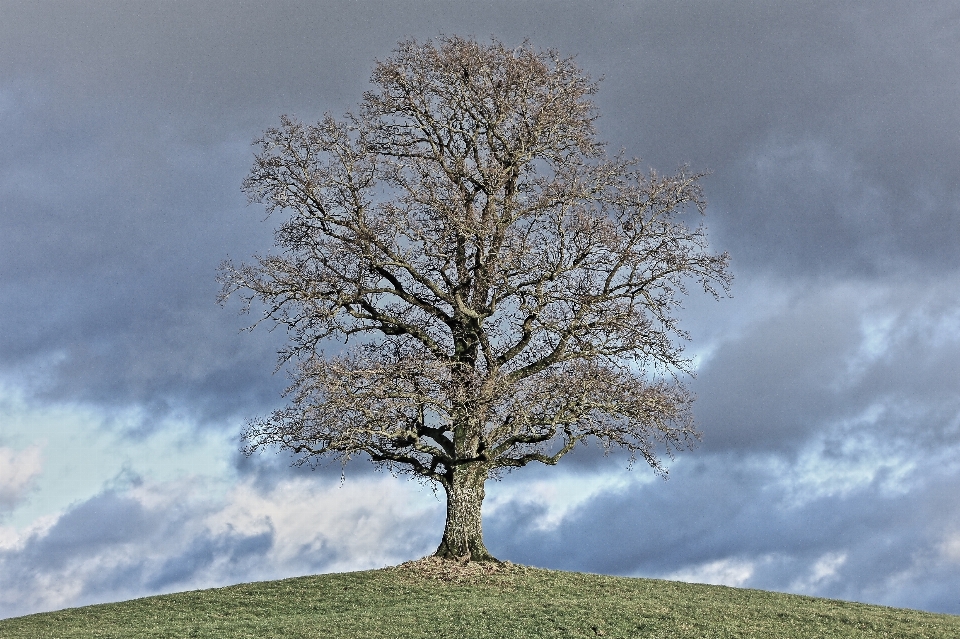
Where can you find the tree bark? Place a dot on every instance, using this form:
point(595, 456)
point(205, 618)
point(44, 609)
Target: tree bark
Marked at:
point(463, 532)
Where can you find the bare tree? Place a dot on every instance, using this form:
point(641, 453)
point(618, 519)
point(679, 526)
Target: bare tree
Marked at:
point(510, 288)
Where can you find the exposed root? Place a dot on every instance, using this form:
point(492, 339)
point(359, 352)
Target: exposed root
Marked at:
point(459, 570)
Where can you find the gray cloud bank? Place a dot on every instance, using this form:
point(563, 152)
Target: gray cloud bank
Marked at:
point(150, 539)
point(831, 131)
point(717, 518)
point(831, 135)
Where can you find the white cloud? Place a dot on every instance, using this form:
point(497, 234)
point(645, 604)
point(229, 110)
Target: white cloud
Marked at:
point(723, 572)
point(13, 538)
point(85, 449)
point(17, 472)
point(950, 548)
point(351, 521)
point(846, 459)
point(823, 571)
point(560, 494)
point(179, 535)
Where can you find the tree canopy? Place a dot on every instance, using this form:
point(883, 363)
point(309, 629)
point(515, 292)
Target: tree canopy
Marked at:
point(503, 289)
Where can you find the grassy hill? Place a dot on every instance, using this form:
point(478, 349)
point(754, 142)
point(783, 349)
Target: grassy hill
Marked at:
point(434, 599)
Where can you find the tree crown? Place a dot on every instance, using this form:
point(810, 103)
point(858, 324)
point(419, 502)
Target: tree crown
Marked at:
point(512, 289)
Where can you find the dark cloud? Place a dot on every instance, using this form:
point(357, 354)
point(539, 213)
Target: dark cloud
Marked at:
point(203, 552)
point(847, 355)
point(129, 131)
point(883, 541)
point(150, 539)
point(830, 130)
point(106, 520)
point(108, 276)
point(105, 524)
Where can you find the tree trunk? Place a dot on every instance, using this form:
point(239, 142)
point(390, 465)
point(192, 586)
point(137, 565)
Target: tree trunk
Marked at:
point(463, 532)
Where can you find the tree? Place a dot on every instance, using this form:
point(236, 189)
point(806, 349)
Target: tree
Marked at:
point(509, 288)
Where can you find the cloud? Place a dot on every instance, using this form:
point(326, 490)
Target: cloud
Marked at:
point(108, 279)
point(852, 355)
point(722, 572)
point(802, 204)
point(725, 519)
point(829, 132)
point(154, 538)
point(18, 469)
point(130, 130)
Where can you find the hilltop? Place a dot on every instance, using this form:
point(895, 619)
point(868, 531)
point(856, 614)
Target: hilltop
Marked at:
point(433, 598)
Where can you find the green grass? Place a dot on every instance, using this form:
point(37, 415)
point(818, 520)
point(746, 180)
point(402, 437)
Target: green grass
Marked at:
point(513, 602)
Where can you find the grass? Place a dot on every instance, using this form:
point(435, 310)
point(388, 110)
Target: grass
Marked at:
point(435, 599)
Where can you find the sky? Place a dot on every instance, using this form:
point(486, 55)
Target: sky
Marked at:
point(828, 385)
